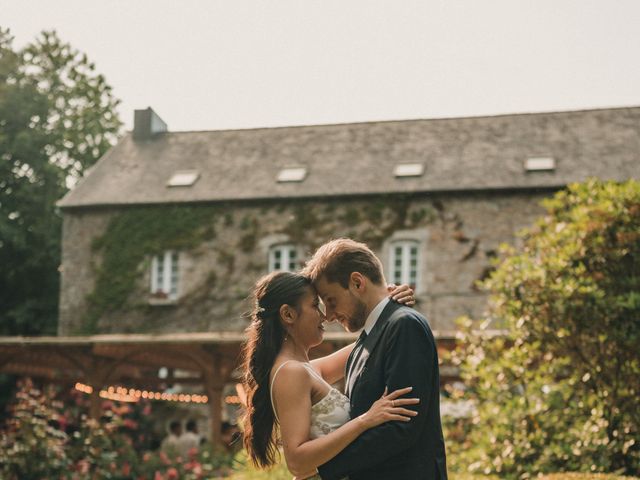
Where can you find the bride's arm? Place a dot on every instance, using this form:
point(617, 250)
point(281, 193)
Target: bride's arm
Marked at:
point(332, 366)
point(292, 392)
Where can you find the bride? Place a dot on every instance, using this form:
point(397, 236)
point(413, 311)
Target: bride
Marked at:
point(283, 387)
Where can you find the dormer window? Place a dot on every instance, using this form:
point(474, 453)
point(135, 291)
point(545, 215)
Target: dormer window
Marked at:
point(292, 174)
point(540, 164)
point(283, 257)
point(183, 178)
point(164, 276)
point(408, 170)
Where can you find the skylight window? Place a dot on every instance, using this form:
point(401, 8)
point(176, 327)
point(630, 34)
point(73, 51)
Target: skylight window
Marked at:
point(183, 178)
point(292, 174)
point(409, 170)
point(539, 164)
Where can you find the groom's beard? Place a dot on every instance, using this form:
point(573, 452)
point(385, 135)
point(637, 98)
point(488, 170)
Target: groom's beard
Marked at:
point(359, 316)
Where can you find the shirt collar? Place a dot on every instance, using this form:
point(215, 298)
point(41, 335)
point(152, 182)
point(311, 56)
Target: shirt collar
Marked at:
point(375, 313)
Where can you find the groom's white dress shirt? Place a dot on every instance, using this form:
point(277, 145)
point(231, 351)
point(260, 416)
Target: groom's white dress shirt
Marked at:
point(375, 314)
point(368, 326)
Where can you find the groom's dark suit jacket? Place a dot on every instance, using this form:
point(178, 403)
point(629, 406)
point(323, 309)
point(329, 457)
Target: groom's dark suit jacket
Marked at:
point(399, 352)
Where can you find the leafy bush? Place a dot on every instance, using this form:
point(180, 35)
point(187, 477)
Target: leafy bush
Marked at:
point(558, 391)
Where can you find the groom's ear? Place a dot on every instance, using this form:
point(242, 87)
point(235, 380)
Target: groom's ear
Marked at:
point(357, 281)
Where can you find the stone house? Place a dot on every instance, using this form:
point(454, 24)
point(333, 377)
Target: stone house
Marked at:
point(165, 236)
point(169, 230)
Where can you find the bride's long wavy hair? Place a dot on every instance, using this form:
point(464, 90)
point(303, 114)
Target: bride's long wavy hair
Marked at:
point(265, 335)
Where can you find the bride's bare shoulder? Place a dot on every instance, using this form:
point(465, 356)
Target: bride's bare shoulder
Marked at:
point(289, 373)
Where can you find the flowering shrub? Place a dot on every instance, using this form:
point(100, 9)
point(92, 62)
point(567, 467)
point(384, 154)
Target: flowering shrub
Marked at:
point(31, 445)
point(34, 444)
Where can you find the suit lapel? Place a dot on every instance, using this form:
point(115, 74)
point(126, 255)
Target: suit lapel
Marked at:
point(370, 344)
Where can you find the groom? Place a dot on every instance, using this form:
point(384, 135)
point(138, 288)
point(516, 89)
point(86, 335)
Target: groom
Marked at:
point(395, 350)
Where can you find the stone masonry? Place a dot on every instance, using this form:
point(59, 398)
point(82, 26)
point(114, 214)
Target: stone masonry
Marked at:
point(460, 235)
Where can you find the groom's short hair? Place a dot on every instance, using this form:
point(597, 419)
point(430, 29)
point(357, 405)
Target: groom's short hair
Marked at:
point(338, 259)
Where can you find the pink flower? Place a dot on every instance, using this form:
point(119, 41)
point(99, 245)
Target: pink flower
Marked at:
point(129, 423)
point(172, 474)
point(126, 469)
point(83, 466)
point(158, 476)
point(164, 459)
point(193, 453)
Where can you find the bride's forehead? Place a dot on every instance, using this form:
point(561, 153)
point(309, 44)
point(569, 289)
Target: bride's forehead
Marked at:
point(310, 294)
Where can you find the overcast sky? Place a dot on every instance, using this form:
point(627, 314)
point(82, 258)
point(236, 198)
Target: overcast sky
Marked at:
point(204, 65)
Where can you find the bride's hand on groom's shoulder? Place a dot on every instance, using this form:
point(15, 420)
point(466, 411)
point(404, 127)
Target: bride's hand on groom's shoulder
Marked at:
point(402, 294)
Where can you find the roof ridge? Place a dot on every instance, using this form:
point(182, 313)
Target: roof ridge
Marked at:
point(432, 119)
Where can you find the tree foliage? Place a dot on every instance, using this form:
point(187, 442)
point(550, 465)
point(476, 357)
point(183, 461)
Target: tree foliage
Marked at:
point(57, 117)
point(559, 391)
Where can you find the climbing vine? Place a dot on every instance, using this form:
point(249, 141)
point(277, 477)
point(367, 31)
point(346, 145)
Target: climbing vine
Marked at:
point(137, 234)
point(370, 221)
point(131, 237)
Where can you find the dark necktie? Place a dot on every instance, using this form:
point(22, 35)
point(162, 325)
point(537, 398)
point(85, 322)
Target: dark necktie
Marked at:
point(357, 350)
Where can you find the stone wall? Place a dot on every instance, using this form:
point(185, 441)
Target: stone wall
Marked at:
point(77, 271)
point(459, 235)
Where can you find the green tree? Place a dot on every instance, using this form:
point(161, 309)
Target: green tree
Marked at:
point(559, 390)
point(57, 117)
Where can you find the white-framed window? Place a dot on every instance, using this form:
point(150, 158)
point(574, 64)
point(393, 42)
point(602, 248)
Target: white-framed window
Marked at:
point(283, 257)
point(164, 275)
point(404, 262)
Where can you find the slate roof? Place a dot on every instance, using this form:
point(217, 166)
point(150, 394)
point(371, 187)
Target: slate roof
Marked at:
point(459, 154)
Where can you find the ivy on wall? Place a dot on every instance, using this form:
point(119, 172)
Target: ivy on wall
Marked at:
point(136, 234)
point(370, 221)
point(131, 237)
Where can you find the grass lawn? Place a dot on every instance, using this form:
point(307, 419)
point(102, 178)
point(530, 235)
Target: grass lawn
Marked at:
point(280, 472)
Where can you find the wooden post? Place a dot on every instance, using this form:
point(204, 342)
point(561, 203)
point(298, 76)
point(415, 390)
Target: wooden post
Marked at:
point(97, 374)
point(214, 377)
point(94, 380)
point(94, 405)
point(215, 409)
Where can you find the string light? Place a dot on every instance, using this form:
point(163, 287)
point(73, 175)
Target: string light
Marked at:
point(122, 394)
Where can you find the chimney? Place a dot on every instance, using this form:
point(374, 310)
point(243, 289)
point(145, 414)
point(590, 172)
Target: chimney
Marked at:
point(146, 124)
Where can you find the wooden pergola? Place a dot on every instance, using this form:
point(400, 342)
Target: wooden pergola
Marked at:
point(134, 360)
point(127, 359)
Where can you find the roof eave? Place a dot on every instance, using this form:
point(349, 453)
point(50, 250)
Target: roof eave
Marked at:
point(311, 197)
